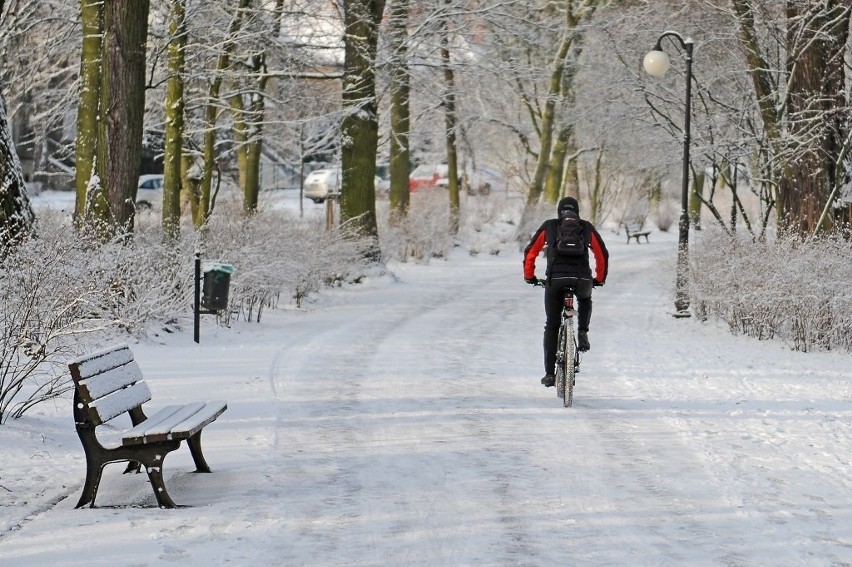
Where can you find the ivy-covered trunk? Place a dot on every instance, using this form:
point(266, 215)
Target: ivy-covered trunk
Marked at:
point(173, 145)
point(91, 19)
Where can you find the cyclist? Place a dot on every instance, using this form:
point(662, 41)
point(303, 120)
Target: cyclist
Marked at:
point(563, 271)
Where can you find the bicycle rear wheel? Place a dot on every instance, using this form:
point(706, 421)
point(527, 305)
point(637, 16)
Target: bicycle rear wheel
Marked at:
point(560, 362)
point(569, 350)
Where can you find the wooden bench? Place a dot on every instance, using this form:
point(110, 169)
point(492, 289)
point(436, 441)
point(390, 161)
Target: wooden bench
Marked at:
point(634, 230)
point(109, 383)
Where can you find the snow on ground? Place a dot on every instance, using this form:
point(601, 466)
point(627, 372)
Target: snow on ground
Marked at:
point(401, 422)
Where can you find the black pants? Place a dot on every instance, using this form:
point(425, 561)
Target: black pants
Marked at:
point(553, 294)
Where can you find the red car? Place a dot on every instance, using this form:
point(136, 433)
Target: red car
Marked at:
point(428, 176)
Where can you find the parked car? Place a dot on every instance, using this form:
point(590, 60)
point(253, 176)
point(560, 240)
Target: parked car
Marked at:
point(322, 183)
point(428, 176)
point(149, 192)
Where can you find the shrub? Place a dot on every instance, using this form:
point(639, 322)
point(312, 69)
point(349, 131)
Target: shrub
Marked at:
point(66, 291)
point(791, 289)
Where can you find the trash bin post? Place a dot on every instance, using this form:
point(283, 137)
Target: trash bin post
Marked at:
point(216, 279)
point(197, 298)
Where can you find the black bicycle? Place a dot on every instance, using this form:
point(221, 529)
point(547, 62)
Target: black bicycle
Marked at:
point(567, 353)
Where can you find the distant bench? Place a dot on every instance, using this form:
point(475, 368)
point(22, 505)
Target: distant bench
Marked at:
point(634, 230)
point(109, 383)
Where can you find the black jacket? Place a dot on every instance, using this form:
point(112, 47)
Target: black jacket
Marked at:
point(560, 266)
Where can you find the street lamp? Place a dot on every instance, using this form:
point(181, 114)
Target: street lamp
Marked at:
point(657, 63)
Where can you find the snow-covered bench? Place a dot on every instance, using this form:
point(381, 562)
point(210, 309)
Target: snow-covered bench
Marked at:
point(109, 383)
point(634, 230)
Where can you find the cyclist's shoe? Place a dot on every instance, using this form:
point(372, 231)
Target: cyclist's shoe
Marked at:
point(583, 341)
point(549, 380)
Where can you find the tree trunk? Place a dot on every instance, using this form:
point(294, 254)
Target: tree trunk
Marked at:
point(252, 135)
point(695, 198)
point(805, 136)
point(91, 18)
point(122, 112)
point(16, 213)
point(174, 121)
point(400, 117)
point(556, 172)
point(360, 125)
point(449, 103)
point(203, 207)
point(559, 87)
point(817, 115)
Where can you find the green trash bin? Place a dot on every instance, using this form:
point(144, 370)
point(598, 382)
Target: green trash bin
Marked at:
point(217, 281)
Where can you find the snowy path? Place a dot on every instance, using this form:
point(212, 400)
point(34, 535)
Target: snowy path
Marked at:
point(402, 423)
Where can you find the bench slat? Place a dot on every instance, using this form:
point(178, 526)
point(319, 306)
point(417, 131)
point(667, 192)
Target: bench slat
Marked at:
point(157, 427)
point(105, 408)
point(196, 423)
point(137, 434)
point(100, 361)
point(175, 422)
point(109, 381)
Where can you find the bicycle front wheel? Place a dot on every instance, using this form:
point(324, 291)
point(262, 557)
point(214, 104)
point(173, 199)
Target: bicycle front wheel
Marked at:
point(569, 349)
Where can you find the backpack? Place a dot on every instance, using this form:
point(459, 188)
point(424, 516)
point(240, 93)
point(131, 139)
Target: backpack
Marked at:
point(570, 236)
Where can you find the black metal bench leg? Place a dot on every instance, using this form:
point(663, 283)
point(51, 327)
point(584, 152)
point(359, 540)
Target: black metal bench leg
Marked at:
point(90, 487)
point(194, 443)
point(155, 475)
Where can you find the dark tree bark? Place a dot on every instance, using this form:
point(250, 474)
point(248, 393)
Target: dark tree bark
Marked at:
point(16, 213)
point(122, 111)
point(816, 108)
point(360, 125)
point(400, 116)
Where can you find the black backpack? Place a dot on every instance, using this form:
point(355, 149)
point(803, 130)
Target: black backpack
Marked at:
point(570, 236)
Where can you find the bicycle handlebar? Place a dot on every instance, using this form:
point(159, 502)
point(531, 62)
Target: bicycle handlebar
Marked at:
point(540, 283)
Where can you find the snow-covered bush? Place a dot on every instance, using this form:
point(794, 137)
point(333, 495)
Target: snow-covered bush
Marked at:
point(487, 223)
point(424, 235)
point(789, 289)
point(64, 292)
point(275, 252)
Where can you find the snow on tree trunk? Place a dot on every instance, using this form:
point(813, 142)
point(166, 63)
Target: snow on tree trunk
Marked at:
point(16, 214)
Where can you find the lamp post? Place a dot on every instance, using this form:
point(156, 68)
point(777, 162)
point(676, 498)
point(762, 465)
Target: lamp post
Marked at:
point(657, 63)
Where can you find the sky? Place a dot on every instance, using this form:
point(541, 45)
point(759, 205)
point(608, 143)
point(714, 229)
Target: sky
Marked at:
point(401, 421)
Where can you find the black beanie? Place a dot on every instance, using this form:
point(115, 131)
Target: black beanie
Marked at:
point(567, 204)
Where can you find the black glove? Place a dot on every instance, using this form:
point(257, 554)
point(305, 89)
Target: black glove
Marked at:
point(596, 284)
point(531, 281)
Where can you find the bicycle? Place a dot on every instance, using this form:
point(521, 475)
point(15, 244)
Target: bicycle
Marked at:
point(566, 349)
